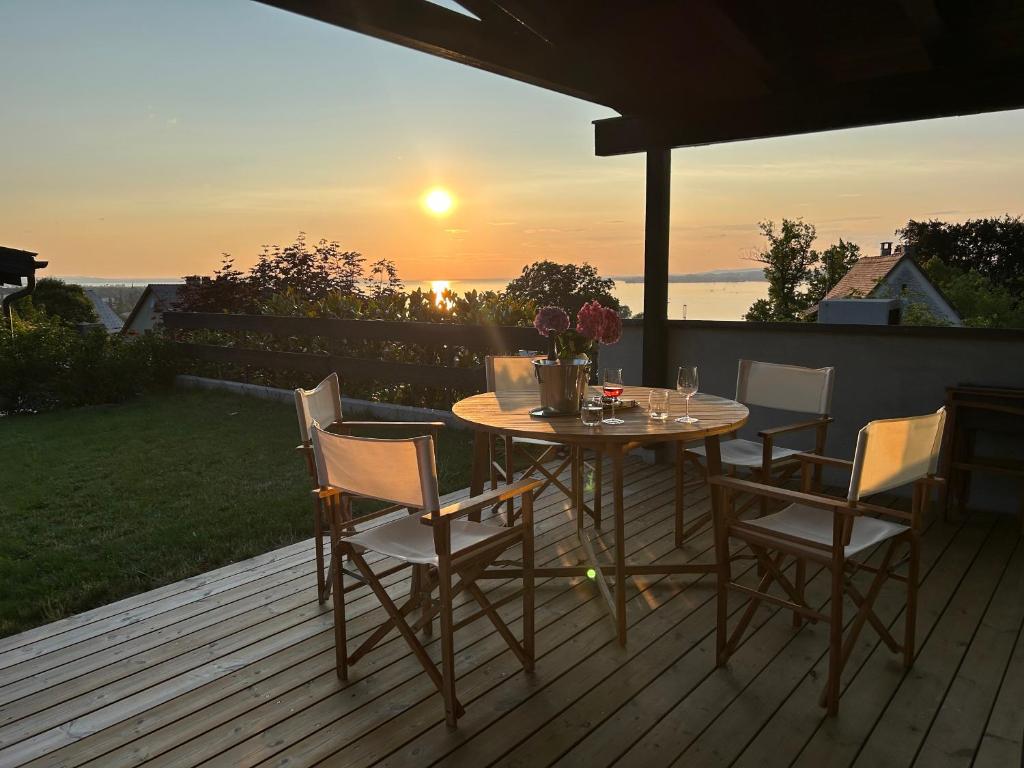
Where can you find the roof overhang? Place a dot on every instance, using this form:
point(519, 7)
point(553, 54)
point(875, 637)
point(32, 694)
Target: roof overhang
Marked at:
point(696, 72)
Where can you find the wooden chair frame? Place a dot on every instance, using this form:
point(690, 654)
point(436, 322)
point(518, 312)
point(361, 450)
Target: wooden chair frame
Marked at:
point(321, 520)
point(769, 472)
point(466, 565)
point(771, 549)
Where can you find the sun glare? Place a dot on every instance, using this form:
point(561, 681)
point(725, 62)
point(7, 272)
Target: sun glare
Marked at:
point(438, 201)
point(438, 287)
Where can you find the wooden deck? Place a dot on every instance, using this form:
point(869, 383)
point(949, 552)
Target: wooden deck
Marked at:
point(235, 667)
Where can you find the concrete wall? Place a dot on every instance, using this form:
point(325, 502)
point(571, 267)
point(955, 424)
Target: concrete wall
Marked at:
point(881, 371)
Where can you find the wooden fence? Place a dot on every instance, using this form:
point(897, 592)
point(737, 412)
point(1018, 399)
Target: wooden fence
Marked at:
point(476, 338)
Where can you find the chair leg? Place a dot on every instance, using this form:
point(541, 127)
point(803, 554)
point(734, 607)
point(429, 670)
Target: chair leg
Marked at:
point(510, 478)
point(801, 581)
point(395, 614)
point(909, 630)
point(340, 637)
point(724, 568)
point(680, 472)
point(318, 543)
point(835, 639)
point(451, 704)
point(528, 595)
point(599, 471)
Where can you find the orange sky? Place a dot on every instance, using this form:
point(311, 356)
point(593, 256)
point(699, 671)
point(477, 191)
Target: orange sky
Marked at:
point(149, 138)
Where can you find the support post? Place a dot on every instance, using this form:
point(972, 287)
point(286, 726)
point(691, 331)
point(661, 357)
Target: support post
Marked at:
point(656, 234)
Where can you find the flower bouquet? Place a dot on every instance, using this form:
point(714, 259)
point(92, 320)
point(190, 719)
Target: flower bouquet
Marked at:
point(594, 324)
point(562, 378)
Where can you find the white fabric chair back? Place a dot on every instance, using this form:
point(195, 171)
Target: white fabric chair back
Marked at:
point(895, 452)
point(321, 405)
point(510, 374)
point(396, 471)
point(785, 387)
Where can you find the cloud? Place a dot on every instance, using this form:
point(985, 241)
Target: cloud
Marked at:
point(502, 223)
point(456, 231)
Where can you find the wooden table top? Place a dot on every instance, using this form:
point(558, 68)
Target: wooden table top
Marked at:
point(510, 414)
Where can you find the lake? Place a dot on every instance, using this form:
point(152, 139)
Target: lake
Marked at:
point(686, 301)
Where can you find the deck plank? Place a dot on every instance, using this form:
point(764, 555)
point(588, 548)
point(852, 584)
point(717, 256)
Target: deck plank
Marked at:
point(958, 727)
point(236, 667)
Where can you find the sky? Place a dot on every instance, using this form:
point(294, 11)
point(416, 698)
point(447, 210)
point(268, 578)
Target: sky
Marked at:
point(146, 138)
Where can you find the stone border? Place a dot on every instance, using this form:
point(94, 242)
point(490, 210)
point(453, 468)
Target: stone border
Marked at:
point(351, 406)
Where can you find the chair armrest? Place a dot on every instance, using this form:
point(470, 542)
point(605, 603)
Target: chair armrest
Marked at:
point(391, 424)
point(798, 426)
point(783, 494)
point(487, 499)
point(828, 461)
point(325, 493)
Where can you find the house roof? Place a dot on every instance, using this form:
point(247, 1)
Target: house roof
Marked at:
point(164, 295)
point(864, 276)
point(686, 74)
point(105, 313)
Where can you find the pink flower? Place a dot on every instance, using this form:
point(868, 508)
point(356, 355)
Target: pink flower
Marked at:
point(599, 323)
point(590, 320)
point(611, 330)
point(550, 319)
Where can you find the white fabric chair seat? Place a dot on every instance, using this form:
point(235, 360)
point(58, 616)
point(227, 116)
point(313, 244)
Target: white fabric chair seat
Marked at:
point(815, 525)
point(745, 453)
point(411, 540)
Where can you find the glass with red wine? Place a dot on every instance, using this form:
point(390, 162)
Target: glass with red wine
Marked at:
point(611, 387)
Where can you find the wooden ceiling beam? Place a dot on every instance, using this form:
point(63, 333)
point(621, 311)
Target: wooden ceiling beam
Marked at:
point(892, 100)
point(429, 28)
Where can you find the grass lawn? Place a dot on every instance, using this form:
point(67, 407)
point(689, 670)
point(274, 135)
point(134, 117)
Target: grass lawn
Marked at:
point(100, 503)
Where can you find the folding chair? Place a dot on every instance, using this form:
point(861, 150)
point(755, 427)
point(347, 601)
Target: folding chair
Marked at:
point(512, 374)
point(779, 387)
point(834, 533)
point(322, 405)
point(431, 539)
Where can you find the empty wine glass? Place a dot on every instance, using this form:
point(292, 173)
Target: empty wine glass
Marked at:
point(612, 388)
point(657, 404)
point(686, 385)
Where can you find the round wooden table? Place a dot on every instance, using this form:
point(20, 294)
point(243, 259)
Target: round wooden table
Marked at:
point(509, 414)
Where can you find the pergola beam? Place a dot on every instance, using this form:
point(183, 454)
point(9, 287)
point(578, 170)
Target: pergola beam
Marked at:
point(896, 100)
point(500, 48)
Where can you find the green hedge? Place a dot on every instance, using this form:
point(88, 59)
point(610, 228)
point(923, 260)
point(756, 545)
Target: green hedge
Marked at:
point(46, 365)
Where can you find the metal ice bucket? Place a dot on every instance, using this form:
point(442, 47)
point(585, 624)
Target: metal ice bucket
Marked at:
point(562, 385)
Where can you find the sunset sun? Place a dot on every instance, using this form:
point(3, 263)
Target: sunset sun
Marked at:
point(438, 201)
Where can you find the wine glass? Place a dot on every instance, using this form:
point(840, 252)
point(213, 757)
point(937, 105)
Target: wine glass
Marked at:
point(612, 388)
point(686, 385)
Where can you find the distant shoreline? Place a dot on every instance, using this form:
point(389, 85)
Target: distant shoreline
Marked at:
point(714, 276)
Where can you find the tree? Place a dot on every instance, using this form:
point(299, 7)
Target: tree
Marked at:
point(788, 260)
point(979, 301)
point(311, 272)
point(977, 264)
point(833, 263)
point(547, 283)
point(994, 248)
point(64, 301)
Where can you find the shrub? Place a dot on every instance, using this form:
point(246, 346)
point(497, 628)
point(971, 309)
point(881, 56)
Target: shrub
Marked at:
point(46, 365)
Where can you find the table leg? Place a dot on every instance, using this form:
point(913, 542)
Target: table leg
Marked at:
point(481, 463)
point(721, 534)
point(620, 543)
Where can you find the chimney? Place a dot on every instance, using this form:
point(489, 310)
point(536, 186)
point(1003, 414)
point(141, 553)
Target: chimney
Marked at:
point(886, 248)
